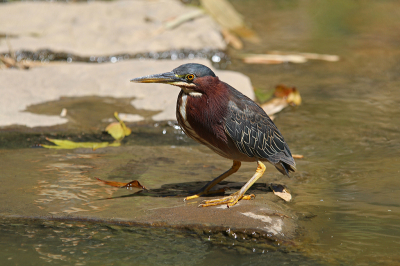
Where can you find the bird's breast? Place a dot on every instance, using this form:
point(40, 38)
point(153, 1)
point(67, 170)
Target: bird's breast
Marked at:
point(182, 117)
point(193, 115)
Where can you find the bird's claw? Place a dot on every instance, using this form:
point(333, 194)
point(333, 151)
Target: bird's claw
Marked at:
point(229, 200)
point(201, 193)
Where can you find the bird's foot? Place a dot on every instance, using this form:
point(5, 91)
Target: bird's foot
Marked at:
point(202, 193)
point(229, 200)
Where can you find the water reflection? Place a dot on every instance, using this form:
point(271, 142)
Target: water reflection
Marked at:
point(69, 189)
point(347, 128)
point(346, 190)
point(75, 243)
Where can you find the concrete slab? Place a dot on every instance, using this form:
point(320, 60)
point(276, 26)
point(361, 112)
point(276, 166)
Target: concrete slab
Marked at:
point(98, 28)
point(20, 89)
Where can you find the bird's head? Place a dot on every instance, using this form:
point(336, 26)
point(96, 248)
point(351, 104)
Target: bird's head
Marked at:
point(193, 79)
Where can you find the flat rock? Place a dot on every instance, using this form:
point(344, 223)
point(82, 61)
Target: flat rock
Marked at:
point(61, 184)
point(104, 27)
point(52, 81)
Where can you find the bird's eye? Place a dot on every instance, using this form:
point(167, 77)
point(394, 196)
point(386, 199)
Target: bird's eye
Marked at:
point(190, 77)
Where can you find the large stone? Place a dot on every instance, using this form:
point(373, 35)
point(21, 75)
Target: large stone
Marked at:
point(104, 28)
point(50, 82)
point(61, 184)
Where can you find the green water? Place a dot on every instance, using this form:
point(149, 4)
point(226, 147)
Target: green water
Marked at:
point(68, 243)
point(347, 128)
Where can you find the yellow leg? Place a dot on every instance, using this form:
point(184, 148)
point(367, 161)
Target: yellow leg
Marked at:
point(206, 189)
point(235, 197)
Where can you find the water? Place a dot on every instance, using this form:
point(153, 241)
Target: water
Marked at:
point(76, 243)
point(347, 128)
point(347, 186)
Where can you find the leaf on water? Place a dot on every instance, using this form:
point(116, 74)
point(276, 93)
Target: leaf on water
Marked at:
point(118, 130)
point(228, 18)
point(281, 191)
point(231, 39)
point(68, 144)
point(292, 95)
point(312, 56)
point(283, 97)
point(277, 57)
point(274, 106)
point(272, 59)
point(64, 112)
point(131, 184)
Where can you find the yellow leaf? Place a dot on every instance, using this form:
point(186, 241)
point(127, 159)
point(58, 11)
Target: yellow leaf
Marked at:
point(118, 130)
point(68, 144)
point(294, 97)
point(115, 130)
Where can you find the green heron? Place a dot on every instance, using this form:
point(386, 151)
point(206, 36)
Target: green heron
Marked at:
point(215, 114)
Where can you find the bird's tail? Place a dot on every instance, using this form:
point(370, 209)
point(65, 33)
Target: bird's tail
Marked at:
point(285, 168)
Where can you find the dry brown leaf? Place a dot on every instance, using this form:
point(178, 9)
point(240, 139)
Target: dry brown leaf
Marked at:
point(131, 184)
point(291, 95)
point(281, 191)
point(224, 13)
point(282, 57)
point(312, 56)
point(272, 59)
point(10, 62)
point(231, 39)
point(274, 106)
point(283, 97)
point(226, 16)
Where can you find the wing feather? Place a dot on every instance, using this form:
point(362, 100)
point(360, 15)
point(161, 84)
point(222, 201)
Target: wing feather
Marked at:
point(254, 133)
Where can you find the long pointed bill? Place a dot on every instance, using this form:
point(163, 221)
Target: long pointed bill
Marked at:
point(168, 78)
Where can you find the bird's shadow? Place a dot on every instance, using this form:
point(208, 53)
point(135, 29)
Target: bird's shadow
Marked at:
point(191, 188)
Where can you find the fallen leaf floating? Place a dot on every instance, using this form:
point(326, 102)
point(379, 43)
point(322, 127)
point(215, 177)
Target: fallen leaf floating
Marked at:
point(284, 96)
point(231, 39)
point(272, 59)
point(231, 22)
point(281, 191)
point(132, 184)
point(277, 57)
point(117, 130)
point(291, 95)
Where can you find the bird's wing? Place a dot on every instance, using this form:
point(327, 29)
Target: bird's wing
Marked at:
point(254, 133)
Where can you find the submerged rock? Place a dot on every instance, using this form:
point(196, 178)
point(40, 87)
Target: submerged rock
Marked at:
point(62, 185)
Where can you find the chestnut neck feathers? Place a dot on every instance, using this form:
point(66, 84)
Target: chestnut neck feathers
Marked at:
point(205, 113)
